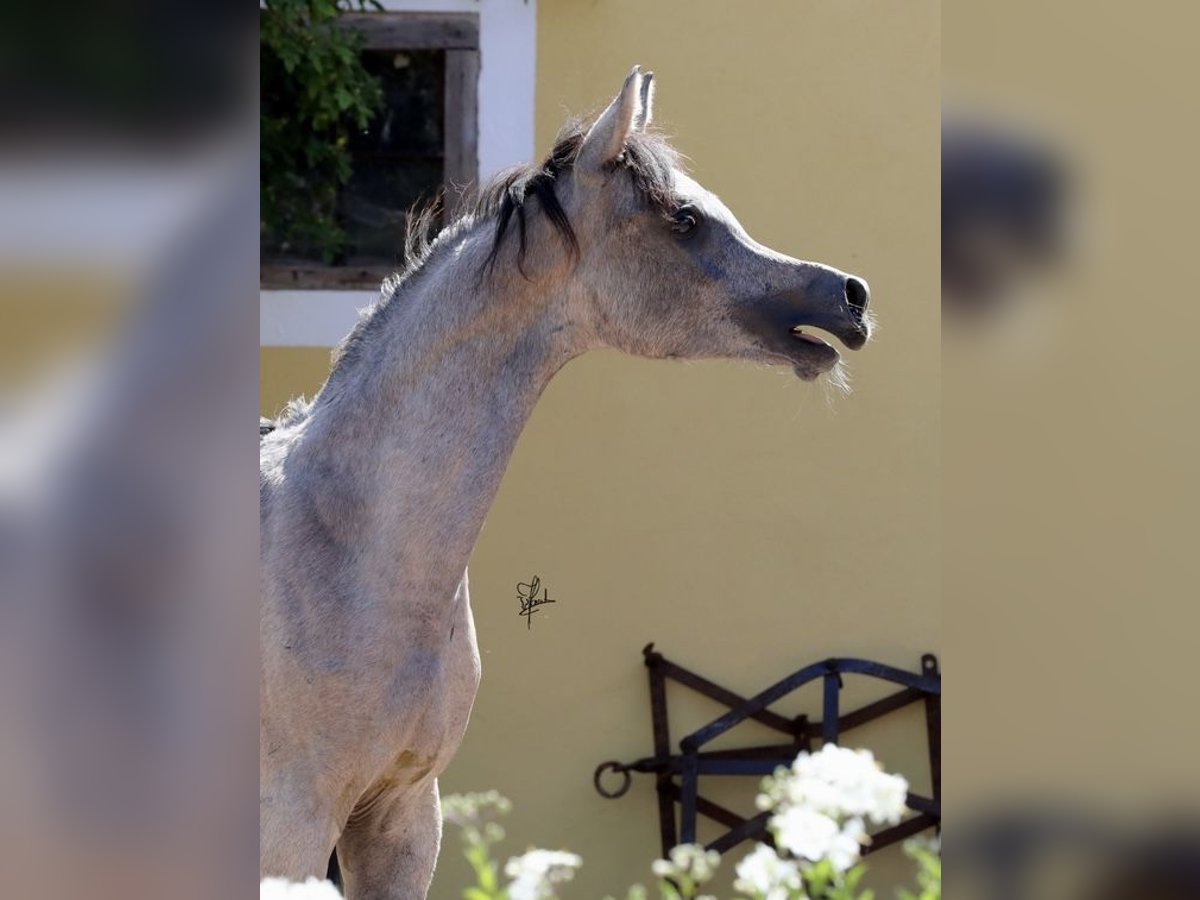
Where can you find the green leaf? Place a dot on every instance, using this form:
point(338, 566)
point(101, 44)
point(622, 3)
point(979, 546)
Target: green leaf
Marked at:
point(314, 89)
point(487, 878)
point(854, 876)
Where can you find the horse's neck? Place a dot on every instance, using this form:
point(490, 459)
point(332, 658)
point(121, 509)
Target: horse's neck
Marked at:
point(413, 440)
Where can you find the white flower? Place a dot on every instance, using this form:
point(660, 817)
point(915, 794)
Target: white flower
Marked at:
point(846, 848)
point(282, 889)
point(535, 873)
point(890, 798)
point(839, 782)
point(474, 810)
point(689, 861)
point(804, 832)
point(763, 874)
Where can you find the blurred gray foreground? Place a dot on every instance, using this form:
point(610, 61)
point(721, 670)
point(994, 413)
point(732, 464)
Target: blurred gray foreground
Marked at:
point(128, 553)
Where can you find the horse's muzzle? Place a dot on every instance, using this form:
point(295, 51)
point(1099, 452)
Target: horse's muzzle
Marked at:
point(830, 300)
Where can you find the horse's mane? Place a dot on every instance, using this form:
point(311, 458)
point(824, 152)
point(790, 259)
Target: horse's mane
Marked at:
point(647, 157)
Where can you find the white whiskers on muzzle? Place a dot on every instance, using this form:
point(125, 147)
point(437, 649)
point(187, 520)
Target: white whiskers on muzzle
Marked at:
point(837, 382)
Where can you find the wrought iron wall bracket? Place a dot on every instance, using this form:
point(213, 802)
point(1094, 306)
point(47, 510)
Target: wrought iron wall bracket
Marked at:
point(677, 775)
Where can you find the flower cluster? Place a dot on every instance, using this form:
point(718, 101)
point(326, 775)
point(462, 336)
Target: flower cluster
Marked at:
point(818, 810)
point(686, 867)
point(837, 781)
point(535, 873)
point(688, 861)
point(821, 803)
point(763, 874)
point(474, 810)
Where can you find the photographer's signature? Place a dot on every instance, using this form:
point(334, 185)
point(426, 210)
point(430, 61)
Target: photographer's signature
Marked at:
point(527, 594)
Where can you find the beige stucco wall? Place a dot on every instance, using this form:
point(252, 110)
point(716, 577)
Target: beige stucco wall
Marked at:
point(743, 520)
point(1070, 466)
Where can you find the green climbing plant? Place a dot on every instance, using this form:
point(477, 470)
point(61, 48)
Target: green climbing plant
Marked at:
point(314, 90)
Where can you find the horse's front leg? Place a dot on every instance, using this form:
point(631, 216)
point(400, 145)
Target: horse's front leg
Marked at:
point(297, 831)
point(389, 848)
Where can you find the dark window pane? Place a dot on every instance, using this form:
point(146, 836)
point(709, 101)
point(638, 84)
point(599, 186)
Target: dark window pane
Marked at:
point(398, 160)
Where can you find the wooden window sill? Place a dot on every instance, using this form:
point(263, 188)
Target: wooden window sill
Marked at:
point(313, 276)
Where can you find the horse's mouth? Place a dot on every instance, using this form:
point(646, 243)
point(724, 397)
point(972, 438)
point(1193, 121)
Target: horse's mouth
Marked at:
point(799, 334)
point(811, 356)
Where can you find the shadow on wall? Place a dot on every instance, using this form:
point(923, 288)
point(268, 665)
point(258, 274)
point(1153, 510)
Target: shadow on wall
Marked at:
point(1004, 197)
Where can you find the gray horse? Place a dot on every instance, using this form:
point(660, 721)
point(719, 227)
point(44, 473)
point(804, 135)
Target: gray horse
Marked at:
point(374, 494)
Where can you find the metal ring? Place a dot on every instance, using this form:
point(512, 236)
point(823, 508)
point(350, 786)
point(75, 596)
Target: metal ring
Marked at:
point(614, 766)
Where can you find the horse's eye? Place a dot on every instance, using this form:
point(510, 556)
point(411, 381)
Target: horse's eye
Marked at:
point(685, 219)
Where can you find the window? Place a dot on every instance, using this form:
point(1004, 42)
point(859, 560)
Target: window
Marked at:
point(423, 138)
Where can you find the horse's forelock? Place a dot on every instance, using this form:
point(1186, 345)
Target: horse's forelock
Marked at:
point(650, 160)
point(647, 156)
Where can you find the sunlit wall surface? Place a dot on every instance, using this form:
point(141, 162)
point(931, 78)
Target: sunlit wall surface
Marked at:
point(1069, 448)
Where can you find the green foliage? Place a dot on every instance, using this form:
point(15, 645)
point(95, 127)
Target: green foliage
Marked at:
point(476, 815)
point(929, 872)
point(636, 892)
point(314, 91)
point(681, 877)
point(477, 847)
point(823, 882)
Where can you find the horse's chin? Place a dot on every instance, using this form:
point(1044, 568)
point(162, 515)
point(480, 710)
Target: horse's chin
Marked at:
point(836, 379)
point(805, 374)
point(811, 357)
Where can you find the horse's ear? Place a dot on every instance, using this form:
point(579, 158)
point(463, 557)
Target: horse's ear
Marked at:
point(646, 106)
point(606, 139)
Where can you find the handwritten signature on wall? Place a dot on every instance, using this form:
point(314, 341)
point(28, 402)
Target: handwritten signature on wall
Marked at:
point(527, 595)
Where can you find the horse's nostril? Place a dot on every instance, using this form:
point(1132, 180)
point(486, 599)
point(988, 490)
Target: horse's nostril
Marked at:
point(858, 295)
